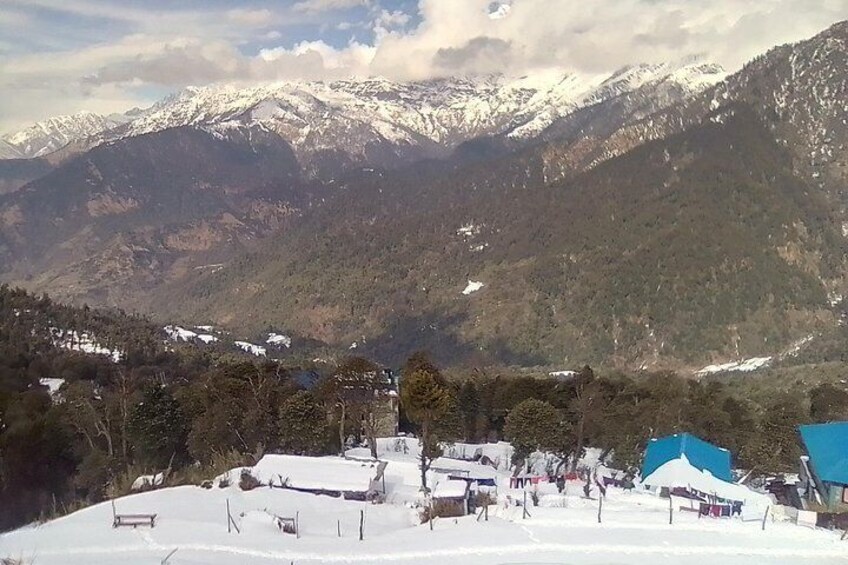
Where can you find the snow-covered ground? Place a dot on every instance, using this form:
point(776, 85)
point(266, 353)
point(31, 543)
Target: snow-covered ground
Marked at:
point(472, 286)
point(53, 384)
point(562, 529)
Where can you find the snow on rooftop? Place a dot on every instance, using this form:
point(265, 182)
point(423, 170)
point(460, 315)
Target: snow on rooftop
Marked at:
point(472, 286)
point(327, 473)
point(251, 348)
point(447, 488)
point(680, 473)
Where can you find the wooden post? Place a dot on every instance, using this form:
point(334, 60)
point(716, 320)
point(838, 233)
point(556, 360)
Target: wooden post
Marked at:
point(600, 507)
point(765, 515)
point(487, 511)
point(339, 527)
point(165, 561)
point(297, 524)
point(670, 510)
point(524, 512)
point(229, 520)
point(361, 525)
point(844, 534)
point(431, 514)
point(114, 515)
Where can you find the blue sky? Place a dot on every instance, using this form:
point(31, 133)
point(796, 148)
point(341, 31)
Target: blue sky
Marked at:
point(63, 56)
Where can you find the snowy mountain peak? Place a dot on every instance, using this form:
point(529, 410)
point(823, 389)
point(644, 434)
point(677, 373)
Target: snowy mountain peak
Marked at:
point(54, 133)
point(368, 116)
point(363, 117)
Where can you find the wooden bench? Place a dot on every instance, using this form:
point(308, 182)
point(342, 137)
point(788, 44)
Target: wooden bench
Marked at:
point(134, 520)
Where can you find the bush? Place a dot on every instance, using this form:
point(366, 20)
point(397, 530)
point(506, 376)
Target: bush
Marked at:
point(196, 473)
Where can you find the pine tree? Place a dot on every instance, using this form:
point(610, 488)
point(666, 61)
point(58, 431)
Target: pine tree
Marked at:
point(303, 425)
point(427, 399)
point(468, 401)
point(158, 427)
point(534, 425)
point(828, 403)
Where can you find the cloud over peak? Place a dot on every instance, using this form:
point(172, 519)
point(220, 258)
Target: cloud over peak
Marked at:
point(67, 59)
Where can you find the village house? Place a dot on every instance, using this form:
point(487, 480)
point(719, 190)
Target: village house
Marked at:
point(352, 480)
point(824, 467)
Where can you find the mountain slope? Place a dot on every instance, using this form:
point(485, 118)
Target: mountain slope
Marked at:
point(706, 242)
point(45, 137)
point(124, 216)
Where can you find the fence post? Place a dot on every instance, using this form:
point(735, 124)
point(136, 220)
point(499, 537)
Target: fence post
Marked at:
point(432, 510)
point(765, 516)
point(339, 527)
point(297, 524)
point(229, 520)
point(600, 507)
point(670, 509)
point(524, 507)
point(361, 525)
point(487, 511)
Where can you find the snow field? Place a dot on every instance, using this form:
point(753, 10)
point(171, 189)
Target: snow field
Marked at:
point(562, 529)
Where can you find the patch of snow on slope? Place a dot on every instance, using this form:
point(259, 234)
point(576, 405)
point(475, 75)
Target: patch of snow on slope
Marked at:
point(562, 373)
point(257, 350)
point(744, 366)
point(279, 339)
point(472, 286)
point(148, 481)
point(83, 342)
point(53, 384)
point(177, 333)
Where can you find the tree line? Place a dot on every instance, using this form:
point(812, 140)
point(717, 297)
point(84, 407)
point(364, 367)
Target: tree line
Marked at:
point(196, 414)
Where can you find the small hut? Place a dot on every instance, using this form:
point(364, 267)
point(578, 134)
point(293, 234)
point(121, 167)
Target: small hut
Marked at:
point(824, 469)
point(451, 498)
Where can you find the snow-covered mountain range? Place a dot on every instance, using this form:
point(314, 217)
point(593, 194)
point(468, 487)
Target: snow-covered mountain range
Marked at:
point(45, 137)
point(372, 120)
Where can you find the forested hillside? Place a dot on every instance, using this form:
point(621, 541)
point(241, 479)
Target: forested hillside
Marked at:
point(704, 244)
point(191, 415)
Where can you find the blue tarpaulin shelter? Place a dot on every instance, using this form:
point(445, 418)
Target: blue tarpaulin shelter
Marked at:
point(827, 448)
point(701, 454)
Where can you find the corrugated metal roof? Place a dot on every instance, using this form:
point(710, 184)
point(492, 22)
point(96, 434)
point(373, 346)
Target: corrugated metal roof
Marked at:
point(701, 454)
point(827, 446)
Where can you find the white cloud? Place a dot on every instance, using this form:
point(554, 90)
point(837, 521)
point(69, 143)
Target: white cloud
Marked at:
point(251, 18)
point(318, 6)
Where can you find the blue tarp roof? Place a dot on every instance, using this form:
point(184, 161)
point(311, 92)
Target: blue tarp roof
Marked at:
point(701, 454)
point(827, 446)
